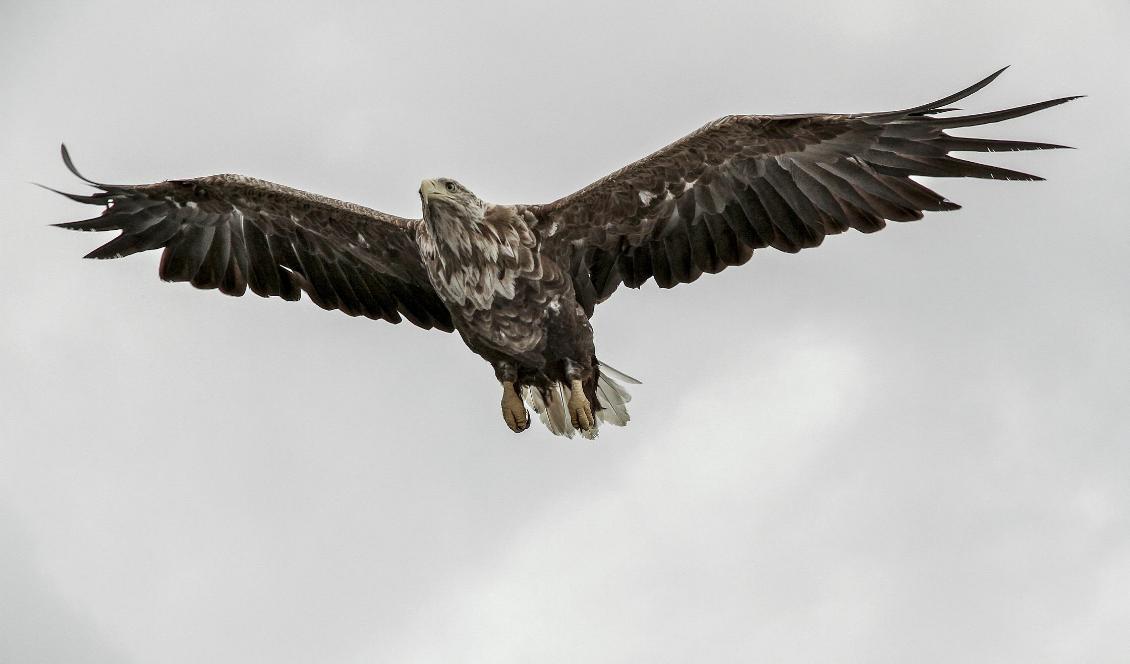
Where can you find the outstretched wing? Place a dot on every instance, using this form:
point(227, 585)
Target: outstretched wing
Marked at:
point(232, 232)
point(744, 182)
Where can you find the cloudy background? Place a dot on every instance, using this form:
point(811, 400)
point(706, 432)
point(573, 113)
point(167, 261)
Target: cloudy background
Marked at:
point(909, 446)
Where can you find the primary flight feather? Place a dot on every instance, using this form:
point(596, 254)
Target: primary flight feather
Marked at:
point(520, 282)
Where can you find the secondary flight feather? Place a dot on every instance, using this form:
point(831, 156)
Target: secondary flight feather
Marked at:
point(520, 282)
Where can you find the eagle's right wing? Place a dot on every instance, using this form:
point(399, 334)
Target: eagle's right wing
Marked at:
point(232, 232)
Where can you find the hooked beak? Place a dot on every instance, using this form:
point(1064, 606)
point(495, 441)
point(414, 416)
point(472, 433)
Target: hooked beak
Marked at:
point(429, 188)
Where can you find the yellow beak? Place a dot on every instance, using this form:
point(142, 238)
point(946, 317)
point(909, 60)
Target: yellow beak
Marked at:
point(429, 188)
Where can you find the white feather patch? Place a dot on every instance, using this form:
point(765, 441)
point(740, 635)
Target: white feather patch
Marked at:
point(551, 409)
point(612, 406)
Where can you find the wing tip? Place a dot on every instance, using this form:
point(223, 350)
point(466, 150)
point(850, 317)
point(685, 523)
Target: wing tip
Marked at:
point(933, 107)
point(991, 117)
point(104, 253)
point(69, 225)
point(70, 164)
point(100, 198)
point(1063, 100)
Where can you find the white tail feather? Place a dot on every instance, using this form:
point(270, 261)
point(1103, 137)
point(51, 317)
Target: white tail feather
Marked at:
point(559, 421)
point(616, 373)
point(612, 398)
point(550, 409)
point(613, 402)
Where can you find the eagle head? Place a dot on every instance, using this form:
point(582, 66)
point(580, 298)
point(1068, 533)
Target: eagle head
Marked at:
point(447, 197)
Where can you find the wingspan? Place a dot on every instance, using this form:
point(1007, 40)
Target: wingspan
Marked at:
point(745, 182)
point(234, 233)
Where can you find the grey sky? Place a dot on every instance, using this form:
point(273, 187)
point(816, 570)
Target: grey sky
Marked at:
point(908, 446)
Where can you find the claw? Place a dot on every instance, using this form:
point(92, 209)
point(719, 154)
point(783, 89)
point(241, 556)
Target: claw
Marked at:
point(513, 409)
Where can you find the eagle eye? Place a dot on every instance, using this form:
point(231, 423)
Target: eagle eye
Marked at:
point(450, 186)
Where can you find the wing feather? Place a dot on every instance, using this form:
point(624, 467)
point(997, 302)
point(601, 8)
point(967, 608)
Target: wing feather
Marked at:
point(660, 265)
point(234, 233)
point(263, 267)
point(746, 182)
point(215, 265)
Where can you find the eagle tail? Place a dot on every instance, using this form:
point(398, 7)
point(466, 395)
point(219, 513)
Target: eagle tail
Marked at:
point(611, 402)
point(549, 404)
point(612, 397)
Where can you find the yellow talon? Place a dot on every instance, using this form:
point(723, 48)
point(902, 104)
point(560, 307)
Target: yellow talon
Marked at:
point(580, 410)
point(513, 409)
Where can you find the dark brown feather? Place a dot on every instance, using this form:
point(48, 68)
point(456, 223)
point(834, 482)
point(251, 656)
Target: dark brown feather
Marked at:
point(215, 264)
point(660, 266)
point(231, 233)
point(743, 182)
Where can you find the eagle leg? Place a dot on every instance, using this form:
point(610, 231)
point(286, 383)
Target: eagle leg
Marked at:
point(580, 410)
point(513, 409)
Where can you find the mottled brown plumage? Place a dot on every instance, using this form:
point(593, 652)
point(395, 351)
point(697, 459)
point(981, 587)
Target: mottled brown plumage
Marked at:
point(519, 282)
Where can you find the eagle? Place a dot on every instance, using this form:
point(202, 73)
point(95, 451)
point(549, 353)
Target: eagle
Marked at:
point(520, 283)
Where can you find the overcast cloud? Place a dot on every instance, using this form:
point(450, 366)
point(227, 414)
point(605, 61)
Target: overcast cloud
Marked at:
point(911, 446)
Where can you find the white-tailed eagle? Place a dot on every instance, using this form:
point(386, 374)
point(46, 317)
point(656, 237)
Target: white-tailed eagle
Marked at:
point(520, 282)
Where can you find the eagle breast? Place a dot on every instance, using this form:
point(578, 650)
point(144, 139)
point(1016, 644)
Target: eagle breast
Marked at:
point(478, 261)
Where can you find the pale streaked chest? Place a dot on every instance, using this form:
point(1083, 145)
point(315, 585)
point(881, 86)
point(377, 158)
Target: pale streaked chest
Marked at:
point(478, 264)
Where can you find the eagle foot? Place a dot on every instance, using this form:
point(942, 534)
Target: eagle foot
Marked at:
point(513, 410)
point(580, 410)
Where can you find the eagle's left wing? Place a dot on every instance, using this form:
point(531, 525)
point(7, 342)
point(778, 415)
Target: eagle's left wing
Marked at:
point(234, 233)
point(745, 182)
